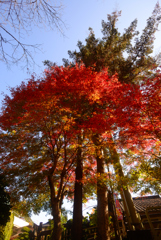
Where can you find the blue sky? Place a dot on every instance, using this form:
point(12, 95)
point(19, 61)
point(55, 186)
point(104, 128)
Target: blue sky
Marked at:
point(78, 16)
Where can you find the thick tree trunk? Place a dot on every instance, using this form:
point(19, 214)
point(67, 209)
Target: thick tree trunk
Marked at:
point(56, 211)
point(77, 211)
point(57, 231)
point(135, 218)
point(123, 187)
point(126, 211)
point(102, 205)
point(102, 202)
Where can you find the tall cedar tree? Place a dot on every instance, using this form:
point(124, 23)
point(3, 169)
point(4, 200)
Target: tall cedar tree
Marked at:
point(128, 54)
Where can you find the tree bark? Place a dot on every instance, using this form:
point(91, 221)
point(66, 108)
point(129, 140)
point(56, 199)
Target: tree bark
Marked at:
point(56, 211)
point(103, 231)
point(123, 188)
point(57, 231)
point(77, 211)
point(102, 205)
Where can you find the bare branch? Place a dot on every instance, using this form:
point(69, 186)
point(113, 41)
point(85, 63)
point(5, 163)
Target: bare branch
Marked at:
point(18, 17)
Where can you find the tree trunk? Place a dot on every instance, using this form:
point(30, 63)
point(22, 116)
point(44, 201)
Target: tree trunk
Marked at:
point(123, 187)
point(126, 209)
point(77, 211)
point(102, 202)
point(56, 234)
point(56, 211)
point(112, 212)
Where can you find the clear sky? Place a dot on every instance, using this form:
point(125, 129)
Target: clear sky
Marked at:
point(78, 16)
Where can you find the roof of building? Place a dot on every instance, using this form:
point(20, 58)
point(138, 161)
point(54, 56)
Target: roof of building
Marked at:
point(47, 224)
point(19, 222)
point(141, 203)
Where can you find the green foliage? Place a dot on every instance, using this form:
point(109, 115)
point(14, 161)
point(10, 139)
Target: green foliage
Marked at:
point(93, 218)
point(2, 232)
point(8, 228)
point(6, 231)
point(25, 234)
point(148, 175)
point(64, 217)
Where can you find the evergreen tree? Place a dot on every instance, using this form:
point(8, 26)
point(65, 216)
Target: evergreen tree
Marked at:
point(128, 54)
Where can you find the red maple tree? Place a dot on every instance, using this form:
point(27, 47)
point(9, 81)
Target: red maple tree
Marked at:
point(41, 121)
